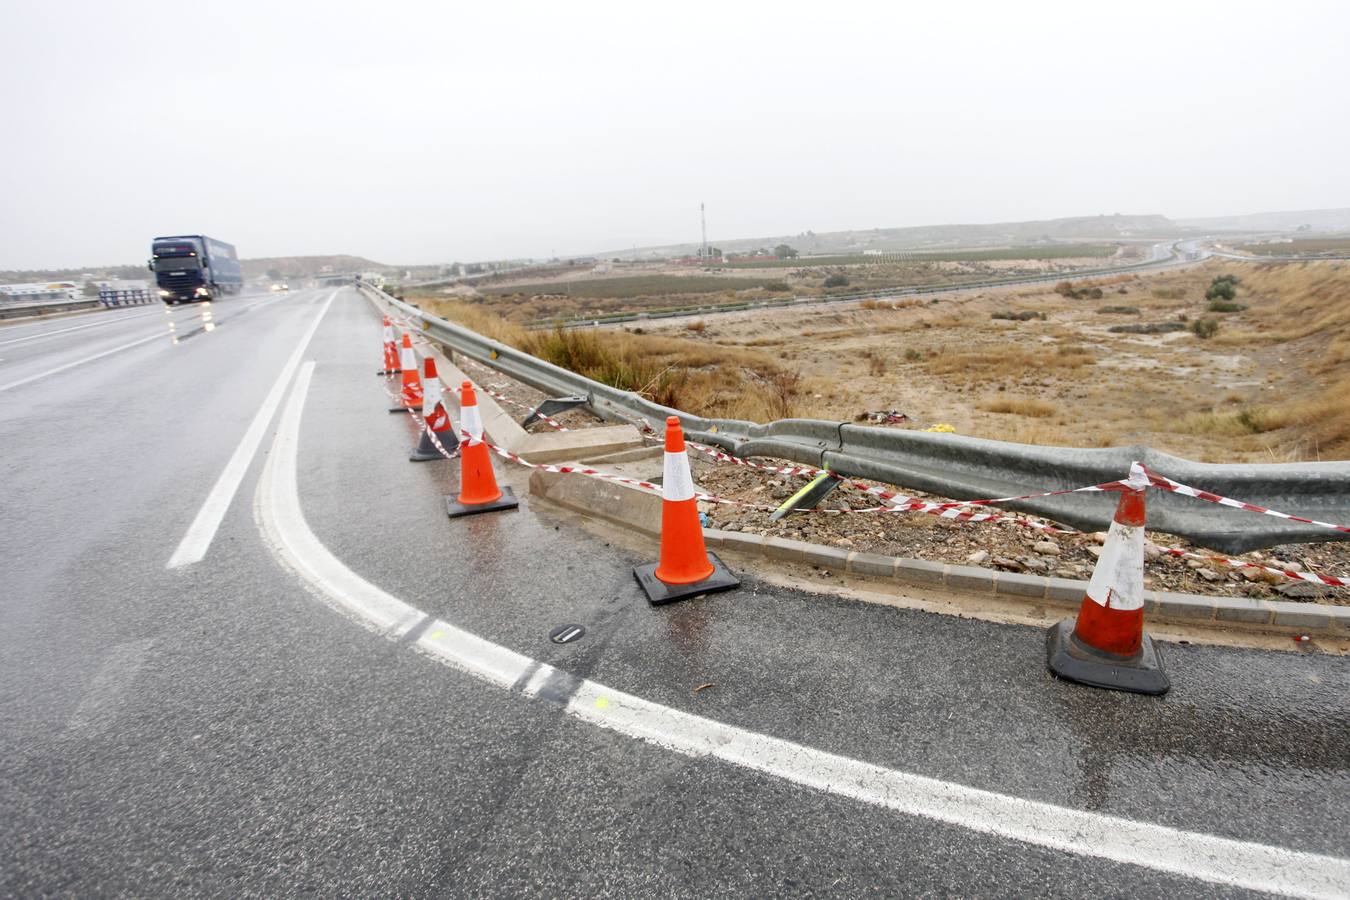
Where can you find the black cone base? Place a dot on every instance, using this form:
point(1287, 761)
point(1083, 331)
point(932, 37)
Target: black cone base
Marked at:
point(1071, 659)
point(455, 509)
point(418, 409)
point(426, 450)
point(658, 592)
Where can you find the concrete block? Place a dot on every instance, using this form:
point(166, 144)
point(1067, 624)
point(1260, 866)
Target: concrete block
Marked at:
point(833, 558)
point(970, 578)
point(1305, 616)
point(1185, 606)
point(656, 451)
point(919, 571)
point(560, 446)
point(1020, 585)
point(871, 564)
point(783, 548)
point(627, 506)
point(735, 540)
point(1068, 591)
point(1243, 609)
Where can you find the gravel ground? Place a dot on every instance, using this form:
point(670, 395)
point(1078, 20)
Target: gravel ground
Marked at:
point(1004, 545)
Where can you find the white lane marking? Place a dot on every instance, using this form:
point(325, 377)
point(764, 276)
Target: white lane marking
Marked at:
point(291, 538)
point(107, 691)
point(47, 334)
point(192, 548)
point(1206, 857)
point(157, 336)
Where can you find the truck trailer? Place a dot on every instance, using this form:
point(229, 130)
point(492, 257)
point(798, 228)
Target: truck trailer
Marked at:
point(193, 267)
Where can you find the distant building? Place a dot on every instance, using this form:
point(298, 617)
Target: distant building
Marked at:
point(31, 293)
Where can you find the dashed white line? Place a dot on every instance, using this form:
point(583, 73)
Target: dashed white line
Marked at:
point(197, 540)
point(1205, 857)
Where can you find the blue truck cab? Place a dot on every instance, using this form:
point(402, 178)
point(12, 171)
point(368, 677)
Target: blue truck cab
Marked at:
point(193, 267)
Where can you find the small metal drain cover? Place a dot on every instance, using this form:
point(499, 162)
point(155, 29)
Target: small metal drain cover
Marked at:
point(566, 634)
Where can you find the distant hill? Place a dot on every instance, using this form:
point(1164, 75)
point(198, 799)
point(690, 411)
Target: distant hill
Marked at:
point(1315, 219)
point(1078, 228)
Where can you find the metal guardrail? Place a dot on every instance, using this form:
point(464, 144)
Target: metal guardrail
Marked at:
point(44, 307)
point(880, 294)
point(964, 468)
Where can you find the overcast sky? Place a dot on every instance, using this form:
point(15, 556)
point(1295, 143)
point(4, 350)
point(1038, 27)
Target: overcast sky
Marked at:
point(431, 132)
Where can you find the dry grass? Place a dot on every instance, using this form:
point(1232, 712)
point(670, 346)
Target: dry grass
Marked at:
point(1030, 407)
point(695, 376)
point(1008, 362)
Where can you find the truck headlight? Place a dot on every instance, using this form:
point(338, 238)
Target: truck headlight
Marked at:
point(165, 293)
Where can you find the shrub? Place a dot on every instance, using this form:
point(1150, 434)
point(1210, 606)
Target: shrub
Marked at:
point(700, 326)
point(1150, 328)
point(777, 287)
point(1169, 293)
point(1205, 328)
point(835, 281)
point(1119, 310)
point(1222, 288)
point(1065, 288)
point(1094, 293)
point(912, 355)
point(1023, 316)
point(1225, 306)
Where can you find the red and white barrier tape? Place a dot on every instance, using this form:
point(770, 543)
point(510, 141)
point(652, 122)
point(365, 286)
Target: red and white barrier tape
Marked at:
point(1243, 564)
point(1162, 482)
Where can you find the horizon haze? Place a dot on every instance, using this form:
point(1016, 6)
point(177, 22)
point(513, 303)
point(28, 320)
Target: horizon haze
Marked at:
point(429, 134)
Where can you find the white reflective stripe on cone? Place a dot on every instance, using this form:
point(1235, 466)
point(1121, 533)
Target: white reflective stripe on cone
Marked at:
point(431, 395)
point(677, 483)
point(406, 358)
point(1119, 573)
point(472, 422)
point(389, 334)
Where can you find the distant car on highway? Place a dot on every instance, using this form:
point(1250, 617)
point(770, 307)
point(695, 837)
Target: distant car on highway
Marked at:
point(280, 286)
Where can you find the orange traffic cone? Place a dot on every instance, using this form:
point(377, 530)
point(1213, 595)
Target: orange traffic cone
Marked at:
point(478, 491)
point(391, 362)
point(686, 568)
point(411, 398)
point(1106, 645)
point(435, 420)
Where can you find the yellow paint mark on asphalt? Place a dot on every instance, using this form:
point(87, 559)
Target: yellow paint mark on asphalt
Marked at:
point(601, 702)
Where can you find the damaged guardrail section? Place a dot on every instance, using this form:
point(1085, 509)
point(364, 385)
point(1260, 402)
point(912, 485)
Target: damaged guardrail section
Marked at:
point(964, 468)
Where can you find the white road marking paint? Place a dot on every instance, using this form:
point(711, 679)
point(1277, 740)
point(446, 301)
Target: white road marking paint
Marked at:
point(192, 548)
point(46, 334)
point(1205, 857)
point(107, 691)
point(291, 540)
point(157, 336)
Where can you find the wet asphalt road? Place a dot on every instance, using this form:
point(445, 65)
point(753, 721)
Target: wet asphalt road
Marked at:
point(218, 729)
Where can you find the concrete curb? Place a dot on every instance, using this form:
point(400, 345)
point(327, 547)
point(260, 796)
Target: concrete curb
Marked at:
point(1308, 618)
point(502, 429)
point(640, 511)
